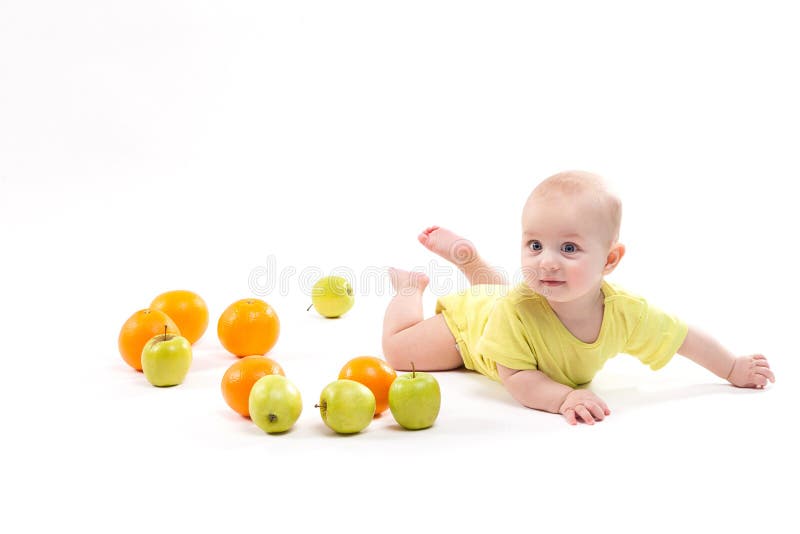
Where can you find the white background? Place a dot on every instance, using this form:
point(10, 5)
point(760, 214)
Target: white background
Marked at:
point(156, 145)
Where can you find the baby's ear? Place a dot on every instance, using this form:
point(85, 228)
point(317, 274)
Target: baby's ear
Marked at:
point(615, 254)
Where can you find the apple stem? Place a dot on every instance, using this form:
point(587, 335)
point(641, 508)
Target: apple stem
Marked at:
point(309, 307)
point(413, 371)
point(165, 332)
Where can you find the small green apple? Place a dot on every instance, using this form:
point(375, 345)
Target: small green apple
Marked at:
point(414, 399)
point(166, 359)
point(346, 406)
point(332, 296)
point(274, 404)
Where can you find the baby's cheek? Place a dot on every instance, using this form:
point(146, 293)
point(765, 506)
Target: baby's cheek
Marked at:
point(529, 271)
point(582, 279)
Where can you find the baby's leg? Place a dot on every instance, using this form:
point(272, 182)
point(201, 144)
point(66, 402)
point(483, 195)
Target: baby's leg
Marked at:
point(461, 253)
point(408, 337)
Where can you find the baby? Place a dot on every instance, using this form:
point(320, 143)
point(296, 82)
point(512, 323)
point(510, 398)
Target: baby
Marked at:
point(545, 338)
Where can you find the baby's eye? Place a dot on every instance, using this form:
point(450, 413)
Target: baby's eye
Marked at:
point(534, 245)
point(569, 248)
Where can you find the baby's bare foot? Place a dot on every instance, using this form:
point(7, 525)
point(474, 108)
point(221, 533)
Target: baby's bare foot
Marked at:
point(448, 245)
point(408, 281)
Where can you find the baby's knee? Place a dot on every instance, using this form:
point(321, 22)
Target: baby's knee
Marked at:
point(429, 344)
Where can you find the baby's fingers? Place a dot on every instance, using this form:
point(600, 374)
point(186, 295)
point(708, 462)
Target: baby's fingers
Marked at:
point(584, 414)
point(588, 412)
point(763, 374)
point(598, 412)
point(569, 415)
point(760, 364)
point(758, 381)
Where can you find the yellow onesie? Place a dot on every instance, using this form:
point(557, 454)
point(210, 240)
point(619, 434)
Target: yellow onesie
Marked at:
point(516, 327)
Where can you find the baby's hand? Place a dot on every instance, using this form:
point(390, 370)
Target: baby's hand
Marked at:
point(584, 405)
point(751, 372)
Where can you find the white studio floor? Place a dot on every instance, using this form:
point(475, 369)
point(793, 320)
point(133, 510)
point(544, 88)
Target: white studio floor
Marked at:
point(245, 151)
point(101, 446)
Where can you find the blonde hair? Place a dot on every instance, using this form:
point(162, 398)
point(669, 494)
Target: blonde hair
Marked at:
point(593, 186)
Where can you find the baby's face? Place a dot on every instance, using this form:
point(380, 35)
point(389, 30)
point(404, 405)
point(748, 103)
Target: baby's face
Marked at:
point(565, 246)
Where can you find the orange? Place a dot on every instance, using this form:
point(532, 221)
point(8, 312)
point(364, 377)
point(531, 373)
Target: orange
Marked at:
point(373, 373)
point(187, 309)
point(248, 326)
point(138, 329)
point(238, 380)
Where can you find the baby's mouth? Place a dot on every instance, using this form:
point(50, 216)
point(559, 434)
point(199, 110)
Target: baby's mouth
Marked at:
point(552, 283)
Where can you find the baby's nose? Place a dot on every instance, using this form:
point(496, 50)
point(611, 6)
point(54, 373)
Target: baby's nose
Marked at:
point(548, 262)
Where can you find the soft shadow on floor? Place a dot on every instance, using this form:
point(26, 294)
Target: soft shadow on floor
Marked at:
point(637, 397)
point(481, 387)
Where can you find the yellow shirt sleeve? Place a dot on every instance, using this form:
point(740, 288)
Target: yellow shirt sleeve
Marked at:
point(656, 338)
point(505, 339)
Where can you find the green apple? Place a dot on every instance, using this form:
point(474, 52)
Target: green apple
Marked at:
point(166, 359)
point(414, 399)
point(332, 296)
point(346, 406)
point(274, 404)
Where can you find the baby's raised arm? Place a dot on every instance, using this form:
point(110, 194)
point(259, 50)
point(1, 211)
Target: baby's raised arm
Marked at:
point(536, 390)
